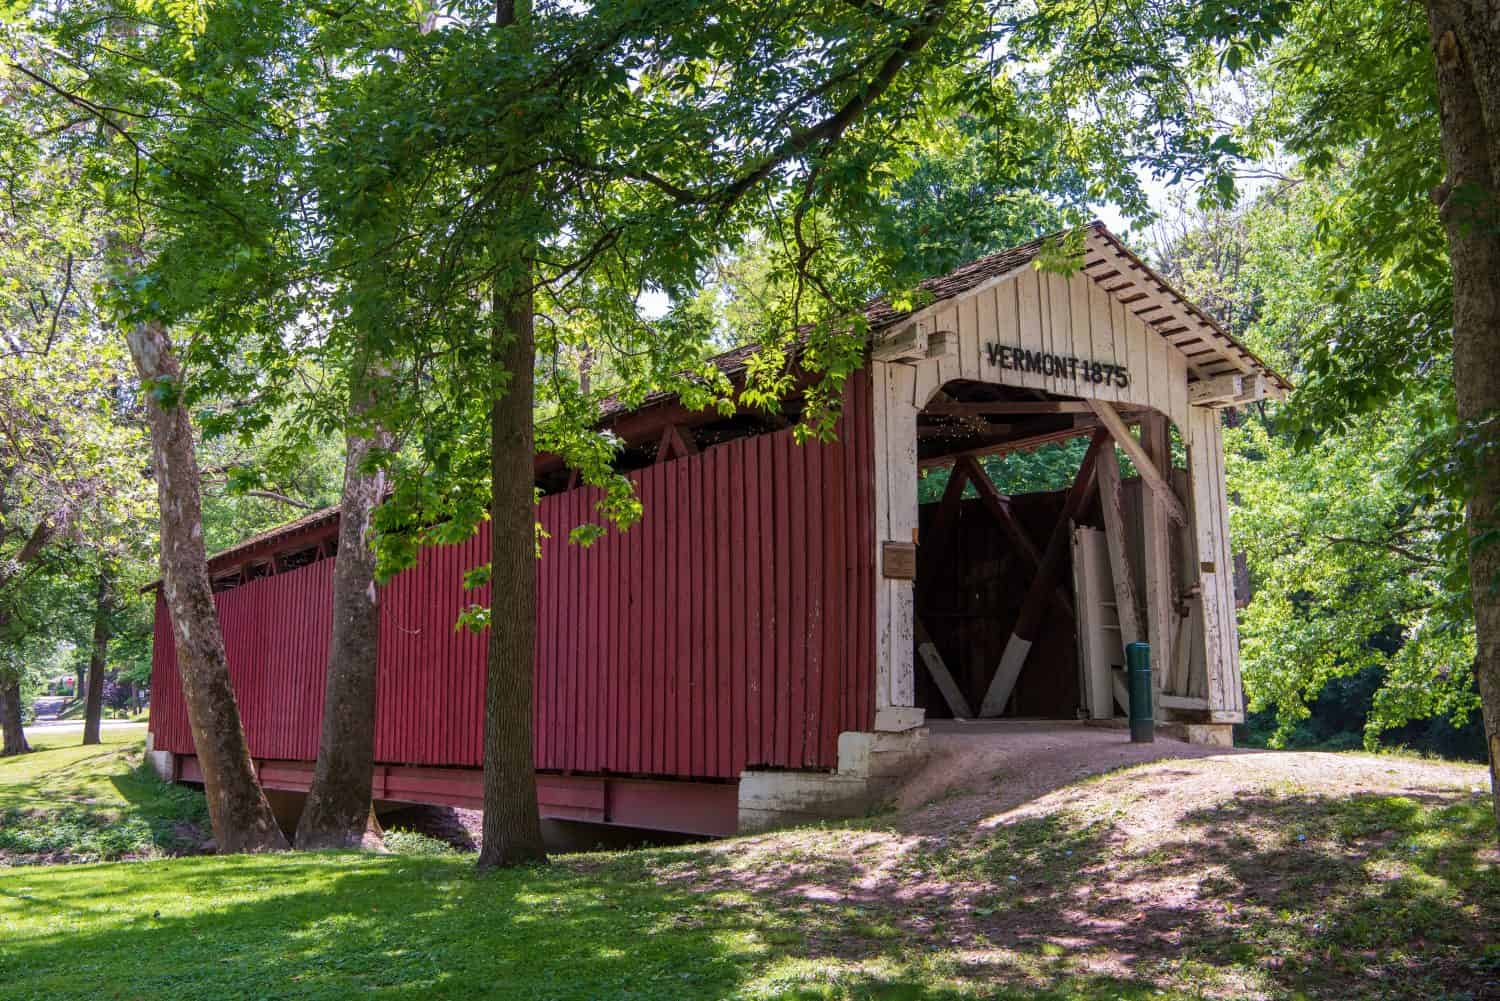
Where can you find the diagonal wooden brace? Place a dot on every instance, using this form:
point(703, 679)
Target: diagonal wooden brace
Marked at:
point(1150, 475)
point(999, 506)
point(1032, 608)
point(952, 694)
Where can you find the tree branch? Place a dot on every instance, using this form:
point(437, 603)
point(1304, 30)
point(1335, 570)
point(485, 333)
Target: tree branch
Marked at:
point(272, 495)
point(832, 128)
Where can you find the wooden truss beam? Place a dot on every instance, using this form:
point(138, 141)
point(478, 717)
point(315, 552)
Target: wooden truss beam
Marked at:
point(1080, 426)
point(675, 443)
point(1016, 444)
point(1150, 473)
point(952, 694)
point(989, 433)
point(1156, 547)
point(1121, 570)
point(999, 507)
point(1032, 608)
point(952, 408)
point(948, 506)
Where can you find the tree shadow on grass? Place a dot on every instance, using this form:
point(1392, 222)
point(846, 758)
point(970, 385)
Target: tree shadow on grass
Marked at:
point(176, 814)
point(149, 818)
point(1368, 895)
point(1343, 896)
point(343, 926)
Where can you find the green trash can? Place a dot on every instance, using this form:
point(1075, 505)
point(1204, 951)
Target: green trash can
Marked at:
point(1138, 672)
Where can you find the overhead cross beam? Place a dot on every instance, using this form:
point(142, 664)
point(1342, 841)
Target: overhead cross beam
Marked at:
point(1013, 444)
point(955, 408)
point(988, 434)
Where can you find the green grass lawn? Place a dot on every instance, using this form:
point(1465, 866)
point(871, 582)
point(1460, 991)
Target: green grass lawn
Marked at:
point(67, 802)
point(1286, 893)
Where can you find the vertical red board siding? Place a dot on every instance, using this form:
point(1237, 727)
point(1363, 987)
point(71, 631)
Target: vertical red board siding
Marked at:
point(694, 708)
point(754, 621)
point(726, 597)
point(638, 703)
point(731, 628)
point(783, 626)
point(800, 598)
point(763, 752)
point(816, 631)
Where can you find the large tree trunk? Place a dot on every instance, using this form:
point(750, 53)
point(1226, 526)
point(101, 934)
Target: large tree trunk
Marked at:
point(512, 833)
point(12, 733)
point(10, 718)
point(338, 810)
point(237, 807)
point(1466, 43)
point(512, 823)
point(93, 705)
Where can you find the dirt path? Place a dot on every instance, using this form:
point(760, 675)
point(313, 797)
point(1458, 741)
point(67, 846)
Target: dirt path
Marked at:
point(1030, 853)
point(1008, 771)
point(986, 768)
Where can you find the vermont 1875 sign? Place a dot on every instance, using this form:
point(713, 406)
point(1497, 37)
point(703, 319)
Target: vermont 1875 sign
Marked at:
point(1056, 366)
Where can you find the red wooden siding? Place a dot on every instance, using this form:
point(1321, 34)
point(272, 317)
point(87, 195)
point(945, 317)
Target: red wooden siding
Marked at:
point(732, 627)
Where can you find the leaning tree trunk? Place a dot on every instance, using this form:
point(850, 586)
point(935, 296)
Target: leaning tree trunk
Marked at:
point(237, 807)
point(93, 705)
point(338, 810)
point(1466, 43)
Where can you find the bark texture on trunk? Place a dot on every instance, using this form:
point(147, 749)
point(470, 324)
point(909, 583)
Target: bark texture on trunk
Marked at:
point(12, 733)
point(512, 832)
point(512, 824)
point(338, 810)
point(237, 807)
point(1466, 46)
point(10, 718)
point(93, 704)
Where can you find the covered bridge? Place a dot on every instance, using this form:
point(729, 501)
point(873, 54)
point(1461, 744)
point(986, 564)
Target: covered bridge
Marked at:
point(772, 637)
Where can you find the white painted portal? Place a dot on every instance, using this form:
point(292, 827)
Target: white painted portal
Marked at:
point(1090, 335)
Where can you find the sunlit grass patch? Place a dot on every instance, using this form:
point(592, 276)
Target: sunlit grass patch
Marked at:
point(65, 802)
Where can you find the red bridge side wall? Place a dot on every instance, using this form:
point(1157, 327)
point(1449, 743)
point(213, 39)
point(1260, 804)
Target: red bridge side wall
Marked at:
point(731, 627)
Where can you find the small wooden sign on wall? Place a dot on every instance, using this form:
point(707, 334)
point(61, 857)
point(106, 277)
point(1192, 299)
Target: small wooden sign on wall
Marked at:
point(898, 560)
